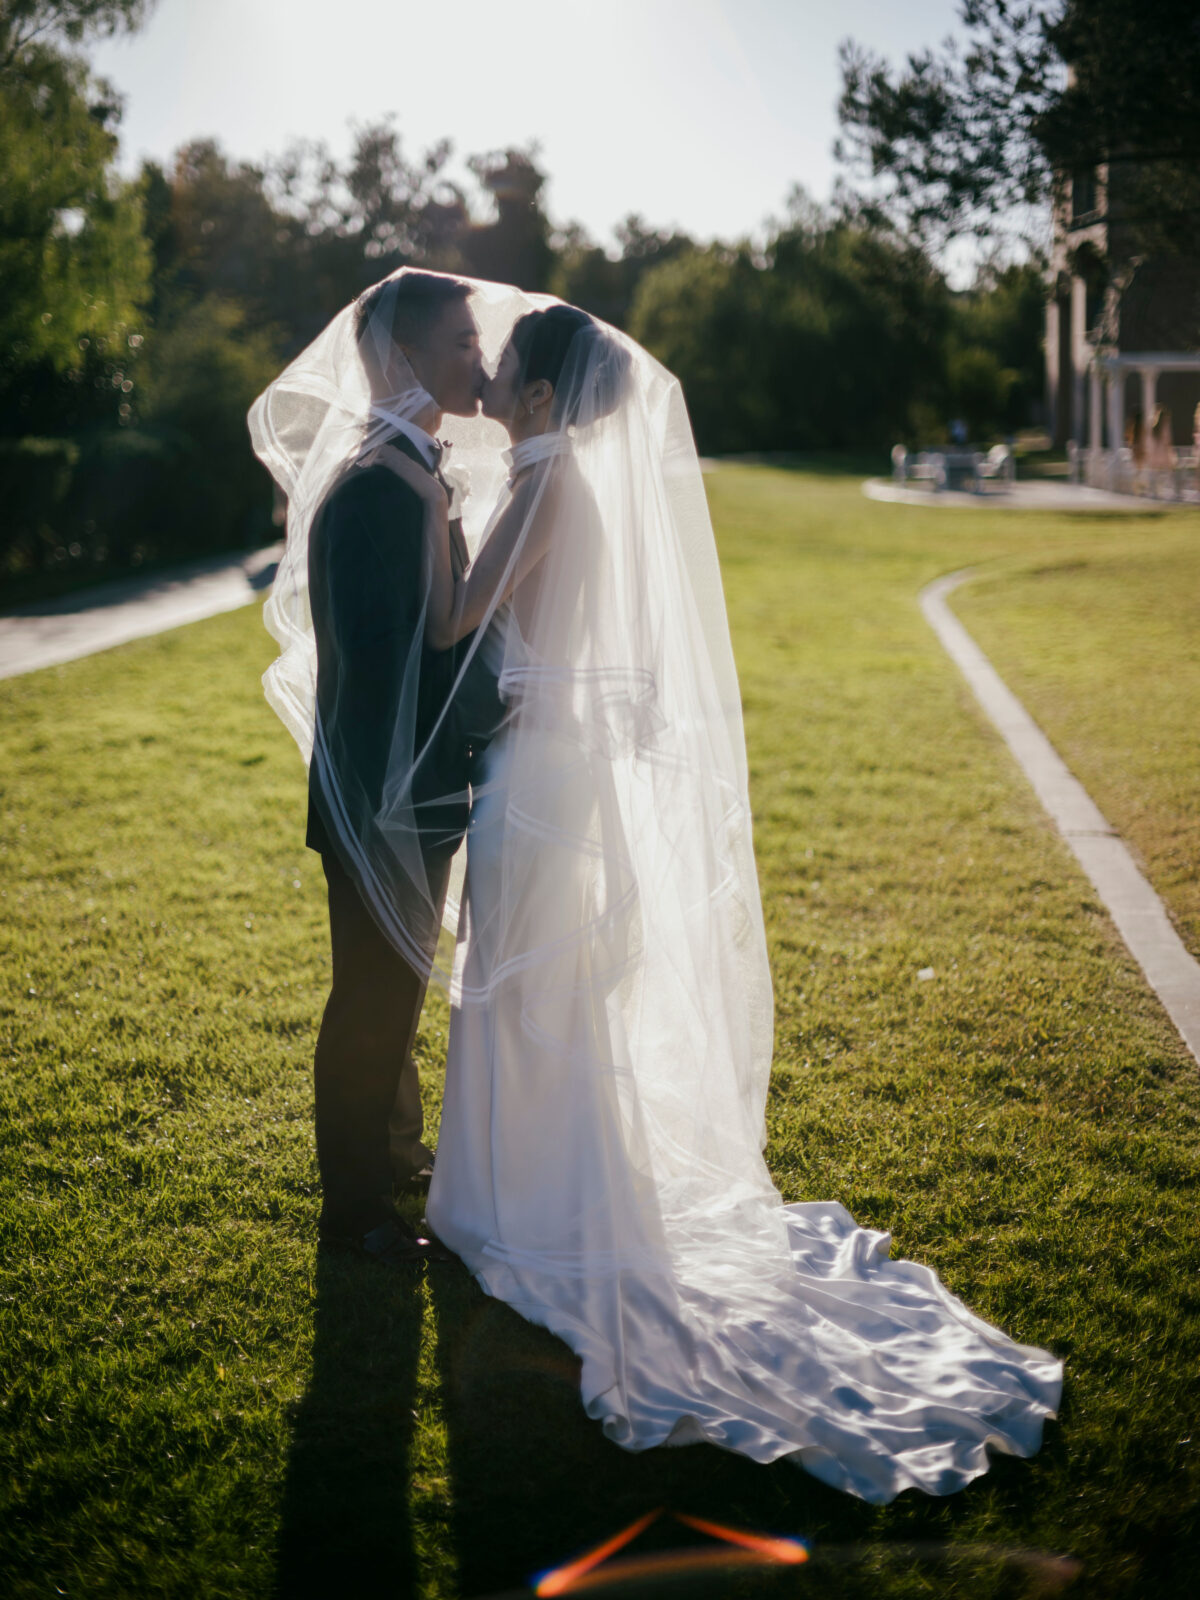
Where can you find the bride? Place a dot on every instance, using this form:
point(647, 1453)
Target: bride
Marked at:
point(600, 1161)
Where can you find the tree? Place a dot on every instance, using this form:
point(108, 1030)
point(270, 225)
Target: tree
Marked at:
point(199, 379)
point(708, 316)
point(833, 337)
point(341, 230)
point(515, 246)
point(27, 25)
point(954, 141)
point(74, 267)
point(606, 285)
point(994, 356)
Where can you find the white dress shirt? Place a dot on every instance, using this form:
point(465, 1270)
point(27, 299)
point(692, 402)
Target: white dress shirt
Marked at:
point(425, 442)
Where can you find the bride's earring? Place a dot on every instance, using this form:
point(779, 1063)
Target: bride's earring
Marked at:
point(529, 409)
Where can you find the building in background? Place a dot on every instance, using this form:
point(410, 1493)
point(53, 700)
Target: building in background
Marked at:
point(1122, 329)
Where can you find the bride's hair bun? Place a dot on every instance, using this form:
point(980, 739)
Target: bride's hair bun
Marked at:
point(587, 367)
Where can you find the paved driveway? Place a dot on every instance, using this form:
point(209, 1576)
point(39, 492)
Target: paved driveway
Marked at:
point(79, 624)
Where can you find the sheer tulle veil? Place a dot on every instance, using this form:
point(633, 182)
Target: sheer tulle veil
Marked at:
point(600, 1159)
point(615, 664)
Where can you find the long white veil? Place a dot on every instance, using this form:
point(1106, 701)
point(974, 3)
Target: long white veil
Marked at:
point(617, 650)
point(600, 1160)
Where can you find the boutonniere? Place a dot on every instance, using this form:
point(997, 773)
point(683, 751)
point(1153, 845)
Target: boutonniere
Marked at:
point(459, 481)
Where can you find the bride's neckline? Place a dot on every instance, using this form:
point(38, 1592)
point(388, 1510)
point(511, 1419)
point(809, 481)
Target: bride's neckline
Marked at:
point(540, 447)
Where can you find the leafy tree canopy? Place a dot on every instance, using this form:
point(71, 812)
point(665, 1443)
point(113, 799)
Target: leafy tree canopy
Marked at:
point(74, 267)
point(28, 24)
point(830, 337)
point(955, 139)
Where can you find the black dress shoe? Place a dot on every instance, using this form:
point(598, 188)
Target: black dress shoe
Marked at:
point(414, 1182)
point(393, 1243)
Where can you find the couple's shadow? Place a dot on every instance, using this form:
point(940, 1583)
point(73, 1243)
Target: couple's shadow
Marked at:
point(531, 1480)
point(346, 1525)
point(360, 1515)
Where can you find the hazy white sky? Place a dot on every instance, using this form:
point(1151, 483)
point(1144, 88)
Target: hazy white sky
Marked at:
point(697, 113)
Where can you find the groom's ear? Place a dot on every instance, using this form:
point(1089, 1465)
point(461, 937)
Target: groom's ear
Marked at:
point(413, 355)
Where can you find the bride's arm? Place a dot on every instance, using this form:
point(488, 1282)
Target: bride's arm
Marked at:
point(458, 602)
point(503, 560)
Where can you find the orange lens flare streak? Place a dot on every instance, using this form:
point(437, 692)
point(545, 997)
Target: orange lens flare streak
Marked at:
point(560, 1579)
point(789, 1551)
point(574, 1574)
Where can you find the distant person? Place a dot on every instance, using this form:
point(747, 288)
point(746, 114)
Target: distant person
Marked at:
point(958, 431)
point(1160, 452)
point(1135, 441)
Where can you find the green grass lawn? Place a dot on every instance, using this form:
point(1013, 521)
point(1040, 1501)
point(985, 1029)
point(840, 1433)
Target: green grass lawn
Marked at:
point(194, 1404)
point(1102, 643)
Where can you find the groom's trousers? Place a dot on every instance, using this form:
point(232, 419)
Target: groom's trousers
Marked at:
point(368, 1104)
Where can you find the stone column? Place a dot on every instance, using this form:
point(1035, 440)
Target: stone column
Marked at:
point(1053, 394)
point(1149, 376)
point(1115, 379)
point(1095, 409)
point(1079, 357)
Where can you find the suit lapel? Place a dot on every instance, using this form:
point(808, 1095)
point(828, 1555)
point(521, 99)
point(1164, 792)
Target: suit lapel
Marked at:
point(401, 441)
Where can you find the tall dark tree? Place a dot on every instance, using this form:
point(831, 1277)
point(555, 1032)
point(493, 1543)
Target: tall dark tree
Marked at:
point(74, 268)
point(515, 246)
point(1040, 91)
point(214, 232)
point(993, 350)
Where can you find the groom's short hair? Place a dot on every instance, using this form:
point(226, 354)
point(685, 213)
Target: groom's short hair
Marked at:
point(417, 301)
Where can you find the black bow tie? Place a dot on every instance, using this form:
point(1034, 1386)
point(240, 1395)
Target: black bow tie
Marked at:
point(441, 448)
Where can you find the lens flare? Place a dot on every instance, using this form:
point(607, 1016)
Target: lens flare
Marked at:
point(790, 1552)
point(559, 1579)
point(750, 1549)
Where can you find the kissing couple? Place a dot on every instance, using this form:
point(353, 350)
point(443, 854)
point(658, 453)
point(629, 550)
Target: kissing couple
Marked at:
point(503, 638)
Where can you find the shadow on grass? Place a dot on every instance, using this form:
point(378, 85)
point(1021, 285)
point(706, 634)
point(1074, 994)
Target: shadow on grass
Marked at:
point(346, 1527)
point(534, 1483)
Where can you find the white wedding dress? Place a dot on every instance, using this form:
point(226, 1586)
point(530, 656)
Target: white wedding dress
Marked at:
point(580, 1192)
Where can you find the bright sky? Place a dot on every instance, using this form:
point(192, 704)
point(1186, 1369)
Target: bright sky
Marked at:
point(697, 113)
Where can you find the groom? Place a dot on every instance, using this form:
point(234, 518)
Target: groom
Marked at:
point(365, 560)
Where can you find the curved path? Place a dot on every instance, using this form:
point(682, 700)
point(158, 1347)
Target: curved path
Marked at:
point(1135, 908)
point(79, 624)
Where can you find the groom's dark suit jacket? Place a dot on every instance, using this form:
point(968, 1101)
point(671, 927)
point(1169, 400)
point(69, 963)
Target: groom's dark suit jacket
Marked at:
point(365, 589)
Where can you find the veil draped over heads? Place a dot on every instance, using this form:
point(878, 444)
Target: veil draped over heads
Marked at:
point(628, 866)
point(600, 1156)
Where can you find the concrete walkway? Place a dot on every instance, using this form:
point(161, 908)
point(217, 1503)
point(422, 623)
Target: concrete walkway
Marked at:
point(1040, 495)
point(1135, 908)
point(79, 624)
